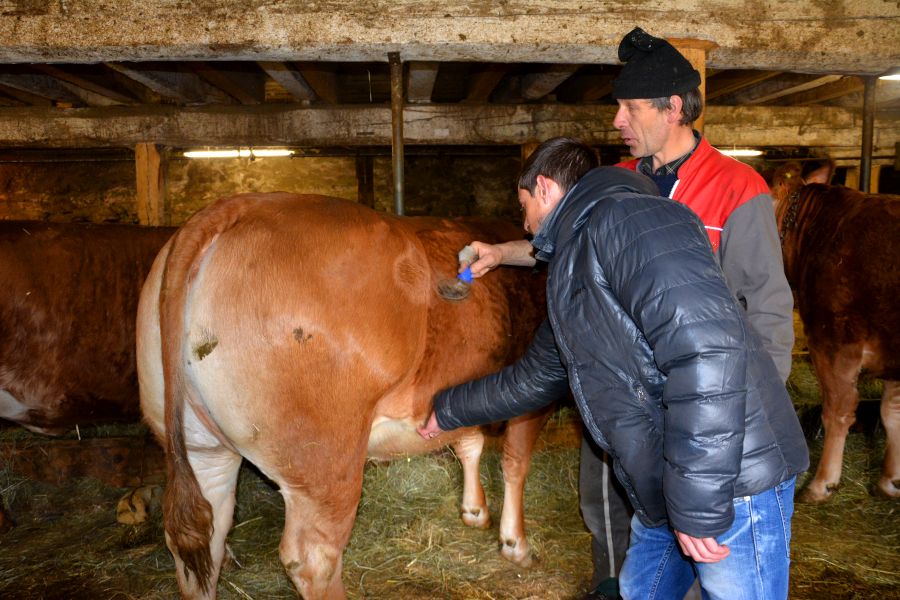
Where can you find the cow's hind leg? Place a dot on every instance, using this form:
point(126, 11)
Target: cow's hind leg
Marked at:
point(838, 376)
point(889, 484)
point(518, 445)
point(474, 510)
point(216, 471)
point(319, 510)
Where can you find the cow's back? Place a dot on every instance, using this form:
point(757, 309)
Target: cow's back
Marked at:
point(67, 311)
point(842, 257)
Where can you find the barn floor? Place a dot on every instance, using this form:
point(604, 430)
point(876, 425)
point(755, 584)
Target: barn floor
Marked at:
point(408, 541)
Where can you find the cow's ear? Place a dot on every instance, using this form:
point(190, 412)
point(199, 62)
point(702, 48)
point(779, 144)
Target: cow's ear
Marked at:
point(820, 174)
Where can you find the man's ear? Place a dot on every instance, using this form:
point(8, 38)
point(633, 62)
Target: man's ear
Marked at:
point(549, 190)
point(673, 115)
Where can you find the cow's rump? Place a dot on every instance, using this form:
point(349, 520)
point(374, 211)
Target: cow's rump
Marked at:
point(303, 333)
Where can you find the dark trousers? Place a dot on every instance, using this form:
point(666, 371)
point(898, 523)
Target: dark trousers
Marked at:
point(605, 509)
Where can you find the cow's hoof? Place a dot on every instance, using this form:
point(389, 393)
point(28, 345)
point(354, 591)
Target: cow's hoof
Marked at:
point(479, 518)
point(137, 505)
point(888, 488)
point(517, 552)
point(818, 494)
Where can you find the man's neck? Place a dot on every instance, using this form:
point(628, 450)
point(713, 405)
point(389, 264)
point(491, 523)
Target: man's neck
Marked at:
point(679, 143)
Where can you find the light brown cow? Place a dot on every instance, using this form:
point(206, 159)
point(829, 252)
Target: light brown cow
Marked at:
point(304, 334)
point(842, 258)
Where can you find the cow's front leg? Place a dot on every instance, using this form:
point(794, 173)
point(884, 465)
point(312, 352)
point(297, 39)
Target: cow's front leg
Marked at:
point(474, 510)
point(889, 484)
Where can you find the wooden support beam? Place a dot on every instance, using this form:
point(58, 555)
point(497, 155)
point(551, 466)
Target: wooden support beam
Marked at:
point(150, 170)
point(439, 124)
point(40, 85)
point(695, 52)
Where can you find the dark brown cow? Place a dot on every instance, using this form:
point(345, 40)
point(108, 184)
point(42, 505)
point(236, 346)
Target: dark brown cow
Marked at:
point(304, 333)
point(67, 308)
point(842, 258)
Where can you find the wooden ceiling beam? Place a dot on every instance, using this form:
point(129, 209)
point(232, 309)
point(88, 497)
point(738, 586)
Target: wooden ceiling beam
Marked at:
point(171, 82)
point(437, 124)
point(420, 81)
point(290, 79)
point(727, 82)
point(84, 83)
point(322, 78)
point(484, 80)
point(37, 84)
point(537, 85)
point(777, 87)
point(246, 86)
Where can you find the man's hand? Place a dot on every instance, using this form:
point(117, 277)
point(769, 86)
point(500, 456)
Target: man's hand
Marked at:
point(430, 430)
point(489, 257)
point(704, 550)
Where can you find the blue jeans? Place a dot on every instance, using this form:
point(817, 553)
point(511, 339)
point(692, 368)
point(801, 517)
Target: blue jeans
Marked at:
point(756, 569)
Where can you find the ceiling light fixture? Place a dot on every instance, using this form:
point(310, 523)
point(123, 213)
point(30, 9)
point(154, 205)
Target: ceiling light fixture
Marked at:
point(239, 153)
point(740, 152)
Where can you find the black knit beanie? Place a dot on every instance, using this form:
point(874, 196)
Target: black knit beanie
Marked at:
point(653, 68)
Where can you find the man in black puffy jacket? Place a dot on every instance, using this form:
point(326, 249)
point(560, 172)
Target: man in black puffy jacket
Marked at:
point(669, 379)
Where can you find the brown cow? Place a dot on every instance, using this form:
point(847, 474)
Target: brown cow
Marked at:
point(842, 258)
point(70, 294)
point(304, 333)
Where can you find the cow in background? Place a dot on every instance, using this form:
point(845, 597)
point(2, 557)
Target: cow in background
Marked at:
point(842, 258)
point(67, 310)
point(305, 334)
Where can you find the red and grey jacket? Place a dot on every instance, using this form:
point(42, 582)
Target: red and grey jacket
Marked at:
point(734, 203)
point(713, 186)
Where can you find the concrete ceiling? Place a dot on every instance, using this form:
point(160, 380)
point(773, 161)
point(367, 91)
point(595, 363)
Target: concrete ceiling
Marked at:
point(104, 72)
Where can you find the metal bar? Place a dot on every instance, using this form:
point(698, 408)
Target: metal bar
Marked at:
point(397, 128)
point(865, 163)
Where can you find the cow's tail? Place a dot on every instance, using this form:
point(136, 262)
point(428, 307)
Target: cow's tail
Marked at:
point(188, 516)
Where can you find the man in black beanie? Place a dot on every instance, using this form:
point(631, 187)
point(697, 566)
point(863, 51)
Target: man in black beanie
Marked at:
point(659, 100)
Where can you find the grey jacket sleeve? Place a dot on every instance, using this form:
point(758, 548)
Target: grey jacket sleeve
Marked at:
point(534, 381)
point(750, 256)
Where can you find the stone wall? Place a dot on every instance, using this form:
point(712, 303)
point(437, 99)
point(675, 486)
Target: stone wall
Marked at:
point(104, 190)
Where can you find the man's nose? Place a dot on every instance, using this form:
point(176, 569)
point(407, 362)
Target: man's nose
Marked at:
point(619, 120)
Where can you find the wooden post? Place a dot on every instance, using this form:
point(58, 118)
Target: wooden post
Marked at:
point(695, 52)
point(151, 184)
point(527, 149)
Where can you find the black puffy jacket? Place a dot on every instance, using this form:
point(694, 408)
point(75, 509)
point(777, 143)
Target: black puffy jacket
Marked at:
point(668, 376)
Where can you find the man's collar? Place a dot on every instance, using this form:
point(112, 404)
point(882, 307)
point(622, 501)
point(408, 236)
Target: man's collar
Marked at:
point(645, 164)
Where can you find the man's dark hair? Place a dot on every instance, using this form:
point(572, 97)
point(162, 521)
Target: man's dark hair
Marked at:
point(691, 105)
point(565, 160)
